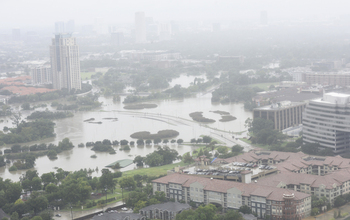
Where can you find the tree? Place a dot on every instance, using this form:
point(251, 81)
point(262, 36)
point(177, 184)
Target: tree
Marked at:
point(25, 106)
point(127, 183)
point(51, 188)
point(237, 148)
point(310, 148)
point(148, 142)
point(36, 183)
point(124, 142)
point(139, 161)
point(259, 124)
point(154, 159)
point(14, 216)
point(13, 192)
point(106, 180)
point(206, 139)
point(179, 141)
point(233, 215)
point(187, 158)
point(16, 119)
point(193, 140)
point(245, 209)
point(38, 203)
point(139, 205)
point(165, 141)
point(140, 142)
point(48, 178)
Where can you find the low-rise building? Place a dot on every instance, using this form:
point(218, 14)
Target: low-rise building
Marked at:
point(164, 211)
point(277, 202)
point(284, 114)
point(119, 216)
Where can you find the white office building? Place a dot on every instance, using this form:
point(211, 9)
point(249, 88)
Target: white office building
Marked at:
point(327, 121)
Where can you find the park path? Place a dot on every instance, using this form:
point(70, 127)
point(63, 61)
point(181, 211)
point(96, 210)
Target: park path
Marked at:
point(66, 214)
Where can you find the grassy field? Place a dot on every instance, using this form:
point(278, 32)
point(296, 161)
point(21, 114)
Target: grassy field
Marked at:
point(153, 171)
point(264, 86)
point(86, 75)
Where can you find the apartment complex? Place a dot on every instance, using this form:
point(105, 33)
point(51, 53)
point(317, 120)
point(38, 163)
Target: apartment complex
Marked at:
point(279, 203)
point(283, 114)
point(319, 176)
point(41, 75)
point(65, 63)
point(327, 121)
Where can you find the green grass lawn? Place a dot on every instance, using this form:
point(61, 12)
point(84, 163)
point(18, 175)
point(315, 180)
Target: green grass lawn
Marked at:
point(153, 171)
point(264, 86)
point(86, 75)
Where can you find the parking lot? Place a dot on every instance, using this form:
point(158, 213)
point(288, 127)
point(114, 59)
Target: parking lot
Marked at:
point(233, 169)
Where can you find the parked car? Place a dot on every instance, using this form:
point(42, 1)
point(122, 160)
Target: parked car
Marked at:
point(125, 209)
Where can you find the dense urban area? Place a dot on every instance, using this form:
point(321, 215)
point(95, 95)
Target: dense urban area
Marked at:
point(176, 120)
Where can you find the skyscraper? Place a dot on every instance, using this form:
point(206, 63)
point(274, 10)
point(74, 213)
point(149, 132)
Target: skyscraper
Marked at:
point(140, 27)
point(263, 18)
point(65, 64)
point(59, 27)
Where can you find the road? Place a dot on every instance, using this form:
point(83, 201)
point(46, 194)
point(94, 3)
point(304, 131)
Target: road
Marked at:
point(222, 136)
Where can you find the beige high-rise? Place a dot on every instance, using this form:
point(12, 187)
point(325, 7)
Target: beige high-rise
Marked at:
point(65, 64)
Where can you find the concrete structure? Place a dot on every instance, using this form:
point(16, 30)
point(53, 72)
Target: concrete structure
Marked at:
point(264, 200)
point(41, 75)
point(119, 216)
point(327, 121)
point(65, 63)
point(164, 211)
point(140, 27)
point(338, 78)
point(283, 114)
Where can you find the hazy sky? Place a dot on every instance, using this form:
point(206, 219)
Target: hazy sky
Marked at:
point(23, 13)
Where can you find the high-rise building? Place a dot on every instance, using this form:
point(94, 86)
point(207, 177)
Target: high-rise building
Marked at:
point(326, 121)
point(117, 38)
point(65, 64)
point(70, 26)
point(59, 27)
point(41, 75)
point(140, 27)
point(263, 18)
point(16, 34)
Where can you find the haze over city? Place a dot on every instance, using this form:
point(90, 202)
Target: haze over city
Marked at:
point(186, 110)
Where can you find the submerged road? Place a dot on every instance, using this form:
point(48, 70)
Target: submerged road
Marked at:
point(223, 136)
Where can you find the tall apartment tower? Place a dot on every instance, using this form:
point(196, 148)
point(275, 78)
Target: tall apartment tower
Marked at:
point(140, 27)
point(65, 64)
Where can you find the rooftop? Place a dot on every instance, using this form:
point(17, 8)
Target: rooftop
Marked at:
point(280, 105)
point(169, 206)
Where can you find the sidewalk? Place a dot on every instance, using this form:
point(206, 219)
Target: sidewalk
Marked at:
point(66, 214)
point(329, 215)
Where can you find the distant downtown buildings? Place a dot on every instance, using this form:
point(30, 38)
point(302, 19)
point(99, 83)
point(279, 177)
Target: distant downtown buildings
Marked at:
point(140, 27)
point(65, 63)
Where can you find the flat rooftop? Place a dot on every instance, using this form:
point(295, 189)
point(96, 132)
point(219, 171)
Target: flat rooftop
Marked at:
point(335, 98)
point(279, 105)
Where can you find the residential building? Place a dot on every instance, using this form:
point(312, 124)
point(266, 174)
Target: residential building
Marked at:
point(140, 27)
point(315, 175)
point(65, 63)
point(326, 121)
point(277, 202)
point(164, 211)
point(41, 75)
point(119, 216)
point(283, 114)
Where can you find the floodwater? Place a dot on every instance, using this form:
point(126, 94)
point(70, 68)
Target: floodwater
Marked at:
point(170, 114)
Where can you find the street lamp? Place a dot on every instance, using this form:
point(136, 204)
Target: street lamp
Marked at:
point(106, 196)
point(71, 212)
